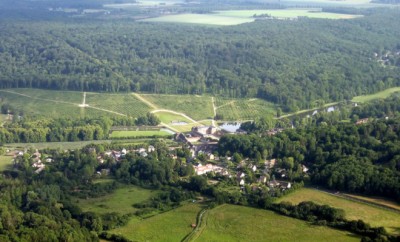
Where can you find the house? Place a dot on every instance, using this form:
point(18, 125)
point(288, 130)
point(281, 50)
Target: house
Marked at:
point(270, 163)
point(143, 154)
point(123, 151)
point(151, 149)
point(242, 182)
point(362, 121)
point(240, 175)
point(200, 169)
point(304, 168)
point(273, 183)
point(210, 156)
point(262, 179)
point(254, 168)
point(285, 185)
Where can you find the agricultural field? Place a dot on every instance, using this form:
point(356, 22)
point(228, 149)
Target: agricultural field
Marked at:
point(239, 223)
point(171, 226)
point(196, 107)
point(55, 104)
point(286, 13)
point(120, 201)
point(139, 133)
point(5, 162)
point(123, 103)
point(244, 109)
point(205, 19)
point(373, 215)
point(379, 95)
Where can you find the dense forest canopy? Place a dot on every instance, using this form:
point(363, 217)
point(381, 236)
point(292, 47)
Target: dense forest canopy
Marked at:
point(328, 59)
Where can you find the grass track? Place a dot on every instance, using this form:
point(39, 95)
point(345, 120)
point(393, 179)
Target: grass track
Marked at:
point(239, 223)
point(171, 226)
point(373, 215)
point(379, 95)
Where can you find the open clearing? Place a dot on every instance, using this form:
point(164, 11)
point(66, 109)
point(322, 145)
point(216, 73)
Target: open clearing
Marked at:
point(243, 109)
point(132, 134)
point(373, 215)
point(171, 226)
point(120, 201)
point(5, 162)
point(235, 17)
point(196, 107)
point(287, 13)
point(239, 223)
point(379, 95)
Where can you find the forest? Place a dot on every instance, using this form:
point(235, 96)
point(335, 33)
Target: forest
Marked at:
point(329, 60)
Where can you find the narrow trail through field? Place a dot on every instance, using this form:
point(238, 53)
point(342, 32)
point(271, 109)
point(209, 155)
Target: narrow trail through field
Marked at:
point(106, 110)
point(43, 99)
point(200, 226)
point(214, 110)
point(226, 104)
point(177, 113)
point(169, 127)
point(141, 98)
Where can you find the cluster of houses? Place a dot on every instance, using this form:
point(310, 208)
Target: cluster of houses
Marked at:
point(36, 157)
point(119, 154)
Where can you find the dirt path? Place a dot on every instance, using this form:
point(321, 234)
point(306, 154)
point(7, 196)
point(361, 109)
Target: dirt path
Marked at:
point(215, 111)
point(226, 104)
point(145, 100)
point(177, 113)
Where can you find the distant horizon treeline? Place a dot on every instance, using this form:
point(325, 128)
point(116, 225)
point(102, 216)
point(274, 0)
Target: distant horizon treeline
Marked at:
point(294, 64)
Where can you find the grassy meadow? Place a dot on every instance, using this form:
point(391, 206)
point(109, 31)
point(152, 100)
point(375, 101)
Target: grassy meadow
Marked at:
point(171, 226)
point(375, 216)
point(5, 162)
point(196, 107)
point(133, 134)
point(120, 201)
point(379, 95)
point(239, 223)
point(243, 109)
point(286, 13)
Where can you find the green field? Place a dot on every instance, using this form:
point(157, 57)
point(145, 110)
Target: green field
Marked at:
point(373, 215)
point(171, 226)
point(244, 109)
point(5, 162)
point(239, 223)
point(379, 95)
point(132, 134)
point(120, 201)
point(122, 103)
point(205, 19)
point(196, 107)
point(286, 13)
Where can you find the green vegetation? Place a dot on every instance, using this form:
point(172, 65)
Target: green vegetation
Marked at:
point(171, 226)
point(243, 109)
point(130, 134)
point(238, 223)
point(373, 215)
point(120, 200)
point(56, 145)
point(286, 13)
point(379, 95)
point(123, 103)
point(196, 107)
point(5, 162)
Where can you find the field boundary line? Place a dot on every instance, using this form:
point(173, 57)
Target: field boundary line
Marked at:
point(369, 203)
point(147, 102)
point(43, 99)
point(174, 112)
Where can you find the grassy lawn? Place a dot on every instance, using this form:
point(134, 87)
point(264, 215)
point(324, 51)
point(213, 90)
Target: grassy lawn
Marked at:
point(196, 107)
point(5, 162)
point(171, 118)
point(244, 109)
point(379, 95)
point(286, 13)
point(120, 201)
point(171, 226)
point(130, 134)
point(239, 223)
point(56, 145)
point(373, 215)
